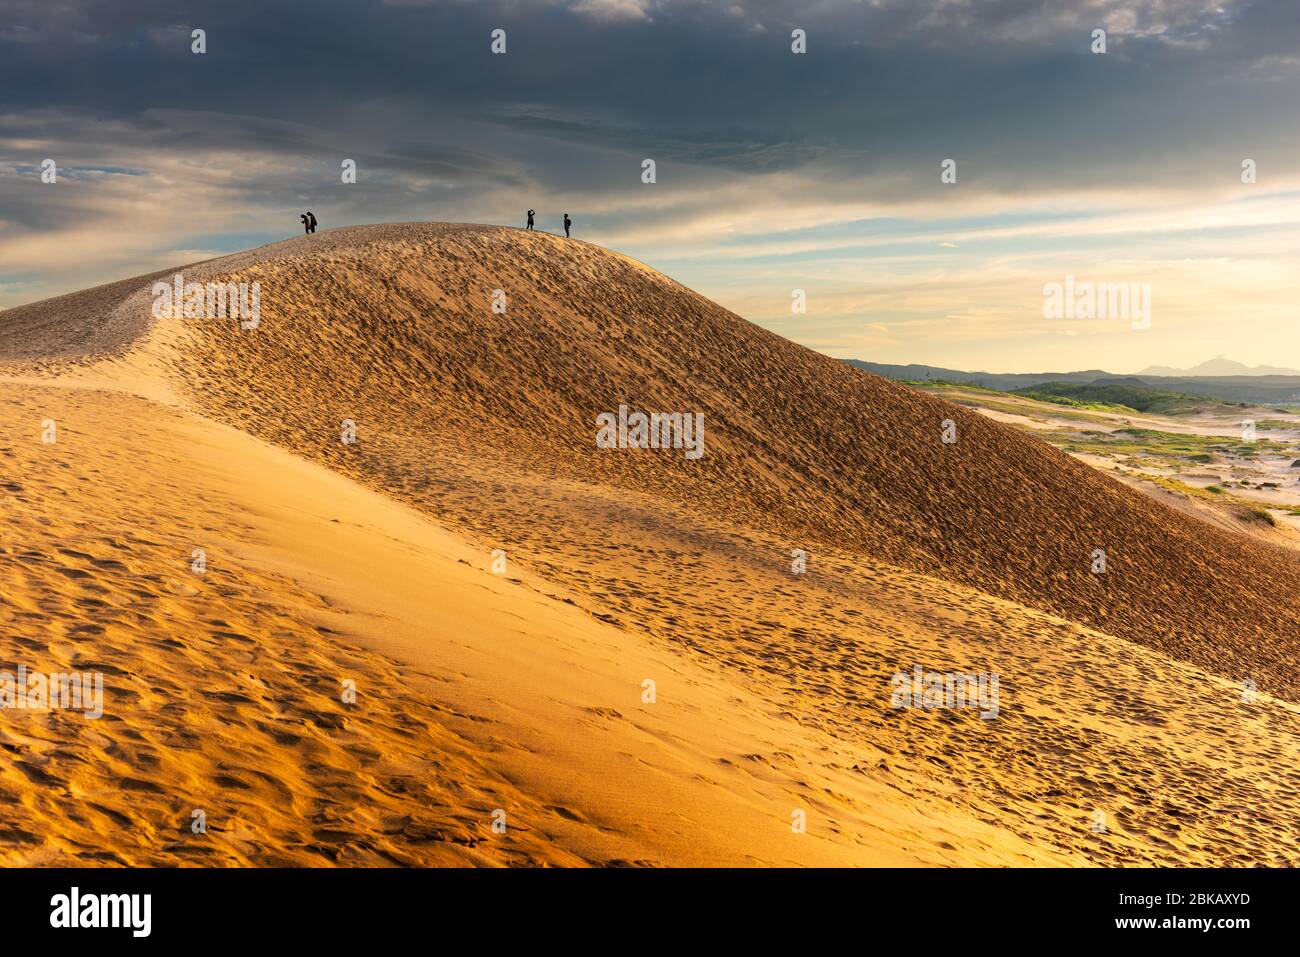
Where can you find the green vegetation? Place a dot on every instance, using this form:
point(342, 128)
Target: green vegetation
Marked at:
point(945, 384)
point(1080, 419)
point(1153, 448)
point(1242, 508)
point(1120, 397)
point(1095, 406)
point(1139, 448)
point(1253, 513)
point(979, 397)
point(1192, 491)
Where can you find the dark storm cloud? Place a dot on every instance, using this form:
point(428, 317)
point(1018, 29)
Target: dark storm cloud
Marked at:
point(1009, 85)
point(731, 149)
point(441, 127)
point(715, 83)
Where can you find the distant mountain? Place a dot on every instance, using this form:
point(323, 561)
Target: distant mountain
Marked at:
point(1218, 366)
point(1258, 387)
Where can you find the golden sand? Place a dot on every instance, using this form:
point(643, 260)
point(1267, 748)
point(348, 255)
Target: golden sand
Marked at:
point(524, 692)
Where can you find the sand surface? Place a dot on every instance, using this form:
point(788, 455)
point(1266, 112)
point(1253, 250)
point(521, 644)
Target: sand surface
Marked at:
point(522, 692)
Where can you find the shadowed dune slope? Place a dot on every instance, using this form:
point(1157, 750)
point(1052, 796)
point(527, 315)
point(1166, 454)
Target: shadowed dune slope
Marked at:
point(392, 327)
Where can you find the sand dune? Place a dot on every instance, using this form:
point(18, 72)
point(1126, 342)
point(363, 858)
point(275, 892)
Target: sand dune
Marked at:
point(1121, 692)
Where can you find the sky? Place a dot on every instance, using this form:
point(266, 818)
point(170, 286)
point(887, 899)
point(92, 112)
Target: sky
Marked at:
point(775, 171)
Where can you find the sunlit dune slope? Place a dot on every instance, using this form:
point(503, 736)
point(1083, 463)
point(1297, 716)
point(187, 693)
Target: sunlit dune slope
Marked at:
point(476, 694)
point(392, 326)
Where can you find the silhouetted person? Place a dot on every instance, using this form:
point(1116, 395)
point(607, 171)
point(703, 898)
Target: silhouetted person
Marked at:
point(311, 225)
point(567, 223)
point(306, 223)
point(530, 218)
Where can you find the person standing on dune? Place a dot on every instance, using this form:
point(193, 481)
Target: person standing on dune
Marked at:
point(530, 218)
point(311, 221)
point(567, 223)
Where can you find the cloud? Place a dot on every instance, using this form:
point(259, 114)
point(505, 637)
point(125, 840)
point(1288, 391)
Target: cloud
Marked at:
point(612, 9)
